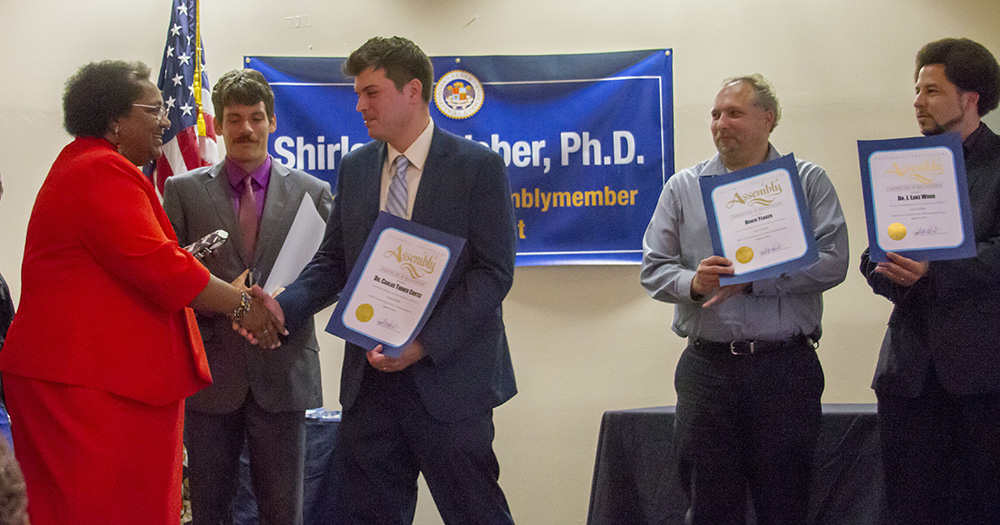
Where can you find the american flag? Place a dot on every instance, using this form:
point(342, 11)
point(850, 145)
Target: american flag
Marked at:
point(185, 147)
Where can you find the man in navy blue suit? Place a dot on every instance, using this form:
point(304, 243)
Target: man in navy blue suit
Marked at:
point(429, 410)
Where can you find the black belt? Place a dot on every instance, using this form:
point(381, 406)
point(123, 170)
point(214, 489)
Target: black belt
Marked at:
point(756, 347)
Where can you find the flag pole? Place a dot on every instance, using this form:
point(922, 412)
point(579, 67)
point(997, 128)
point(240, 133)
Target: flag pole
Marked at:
point(190, 140)
point(197, 68)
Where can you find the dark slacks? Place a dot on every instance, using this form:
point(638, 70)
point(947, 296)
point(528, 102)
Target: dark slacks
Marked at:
point(388, 438)
point(747, 423)
point(941, 455)
point(276, 443)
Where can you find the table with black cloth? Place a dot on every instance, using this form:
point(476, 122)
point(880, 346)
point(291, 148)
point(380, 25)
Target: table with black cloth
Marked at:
point(321, 505)
point(635, 473)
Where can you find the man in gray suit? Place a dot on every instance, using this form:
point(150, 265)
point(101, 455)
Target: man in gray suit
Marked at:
point(258, 394)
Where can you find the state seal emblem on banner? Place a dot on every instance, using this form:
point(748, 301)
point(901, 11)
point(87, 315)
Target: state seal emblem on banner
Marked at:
point(458, 94)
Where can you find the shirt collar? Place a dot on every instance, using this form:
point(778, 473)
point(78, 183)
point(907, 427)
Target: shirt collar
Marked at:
point(970, 142)
point(417, 153)
point(236, 174)
point(716, 167)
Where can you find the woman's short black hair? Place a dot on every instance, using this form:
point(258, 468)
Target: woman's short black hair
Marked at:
point(100, 92)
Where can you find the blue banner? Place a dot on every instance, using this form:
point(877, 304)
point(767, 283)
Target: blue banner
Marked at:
point(587, 139)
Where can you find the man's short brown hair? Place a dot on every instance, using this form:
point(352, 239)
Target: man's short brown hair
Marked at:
point(245, 87)
point(401, 59)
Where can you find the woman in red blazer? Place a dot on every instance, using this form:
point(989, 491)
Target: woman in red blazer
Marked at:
point(104, 349)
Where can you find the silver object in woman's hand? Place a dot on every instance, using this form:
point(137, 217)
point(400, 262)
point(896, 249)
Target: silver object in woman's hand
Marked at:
point(207, 244)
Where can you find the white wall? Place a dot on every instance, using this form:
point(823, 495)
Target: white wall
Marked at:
point(584, 339)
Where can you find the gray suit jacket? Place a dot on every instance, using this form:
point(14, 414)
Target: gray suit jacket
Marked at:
point(287, 378)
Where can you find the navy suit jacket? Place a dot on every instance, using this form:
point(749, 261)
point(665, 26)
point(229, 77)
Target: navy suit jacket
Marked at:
point(951, 316)
point(463, 191)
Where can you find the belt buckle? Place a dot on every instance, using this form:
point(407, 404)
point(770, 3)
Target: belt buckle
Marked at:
point(741, 347)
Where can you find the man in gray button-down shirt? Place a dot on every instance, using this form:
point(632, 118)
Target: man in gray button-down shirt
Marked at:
point(744, 421)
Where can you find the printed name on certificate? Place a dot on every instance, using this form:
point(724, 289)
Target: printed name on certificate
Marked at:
point(395, 287)
point(915, 197)
point(759, 221)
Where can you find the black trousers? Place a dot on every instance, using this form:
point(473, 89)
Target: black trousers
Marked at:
point(747, 423)
point(941, 455)
point(276, 442)
point(388, 439)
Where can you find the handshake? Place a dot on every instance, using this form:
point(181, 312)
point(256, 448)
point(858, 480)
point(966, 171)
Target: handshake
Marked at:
point(259, 318)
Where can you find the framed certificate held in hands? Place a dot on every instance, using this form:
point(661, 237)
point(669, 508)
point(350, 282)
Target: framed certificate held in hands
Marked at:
point(758, 219)
point(394, 285)
point(917, 198)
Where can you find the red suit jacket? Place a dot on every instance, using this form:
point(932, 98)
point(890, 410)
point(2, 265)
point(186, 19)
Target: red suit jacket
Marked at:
point(104, 285)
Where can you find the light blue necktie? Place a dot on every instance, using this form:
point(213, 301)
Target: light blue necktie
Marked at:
point(395, 201)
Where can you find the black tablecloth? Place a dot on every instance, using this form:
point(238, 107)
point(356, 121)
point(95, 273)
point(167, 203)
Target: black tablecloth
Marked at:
point(635, 474)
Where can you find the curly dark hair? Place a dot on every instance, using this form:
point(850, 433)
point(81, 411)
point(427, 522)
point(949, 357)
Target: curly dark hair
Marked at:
point(401, 59)
point(245, 87)
point(100, 92)
point(968, 65)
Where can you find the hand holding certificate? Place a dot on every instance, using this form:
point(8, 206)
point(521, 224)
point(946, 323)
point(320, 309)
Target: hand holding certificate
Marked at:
point(394, 285)
point(916, 198)
point(759, 220)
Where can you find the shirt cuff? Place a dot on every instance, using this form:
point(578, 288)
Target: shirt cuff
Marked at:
point(684, 285)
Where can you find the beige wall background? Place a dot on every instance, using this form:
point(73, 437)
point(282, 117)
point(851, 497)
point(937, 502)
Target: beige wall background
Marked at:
point(584, 339)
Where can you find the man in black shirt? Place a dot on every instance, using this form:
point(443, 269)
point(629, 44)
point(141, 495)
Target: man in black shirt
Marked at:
point(938, 374)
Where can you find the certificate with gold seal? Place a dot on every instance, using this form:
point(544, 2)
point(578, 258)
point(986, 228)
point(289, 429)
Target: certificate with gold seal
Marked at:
point(394, 285)
point(758, 219)
point(917, 198)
